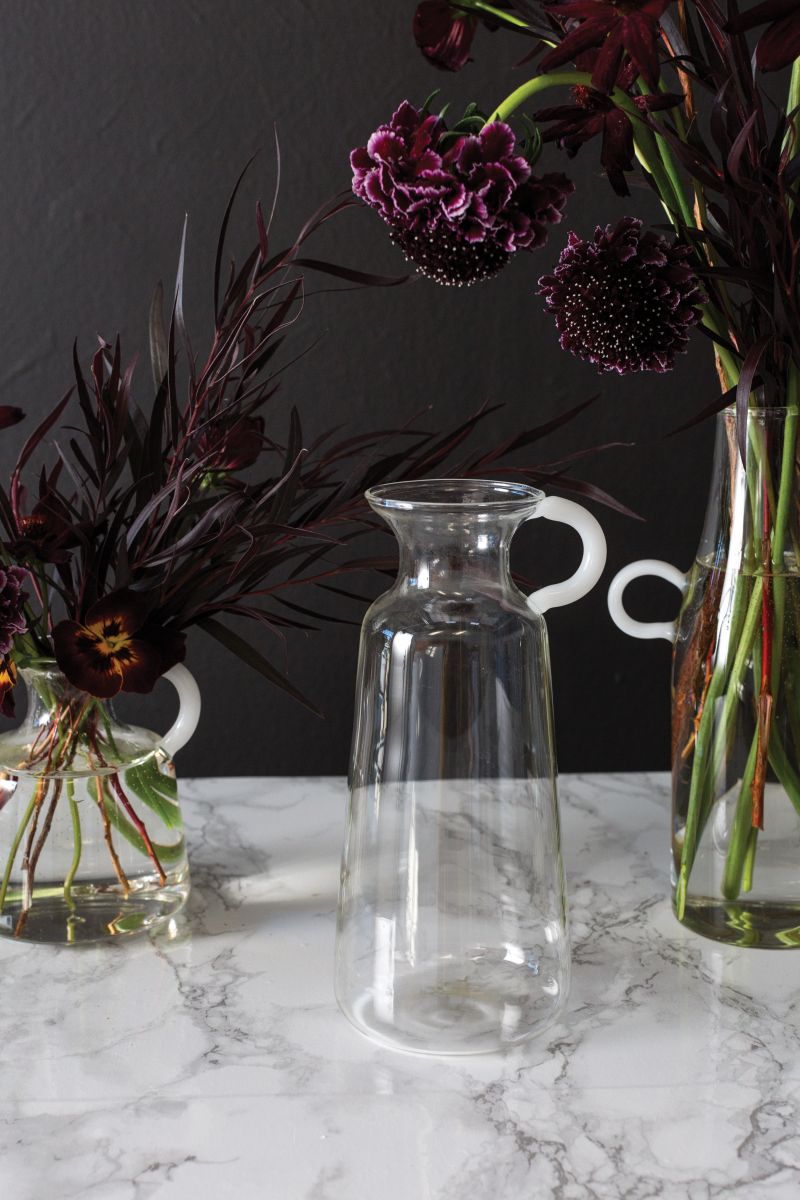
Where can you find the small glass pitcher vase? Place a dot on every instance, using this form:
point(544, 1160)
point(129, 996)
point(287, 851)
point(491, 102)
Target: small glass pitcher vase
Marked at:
point(736, 692)
point(91, 835)
point(452, 932)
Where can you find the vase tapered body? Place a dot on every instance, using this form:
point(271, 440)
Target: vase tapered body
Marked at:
point(452, 934)
point(736, 695)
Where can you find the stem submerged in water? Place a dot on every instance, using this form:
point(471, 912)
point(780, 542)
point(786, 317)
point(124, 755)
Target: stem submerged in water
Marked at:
point(750, 693)
point(77, 846)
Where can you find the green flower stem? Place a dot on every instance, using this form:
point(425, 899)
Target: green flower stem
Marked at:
point(742, 846)
point(77, 845)
point(788, 458)
point(749, 859)
point(644, 140)
point(704, 771)
point(712, 321)
point(504, 17)
point(752, 627)
point(697, 790)
point(732, 876)
point(12, 854)
point(665, 178)
point(740, 607)
point(793, 102)
point(532, 87)
point(670, 164)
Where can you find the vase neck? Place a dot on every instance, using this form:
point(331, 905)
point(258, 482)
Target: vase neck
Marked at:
point(454, 534)
point(67, 732)
point(449, 555)
point(51, 693)
point(752, 518)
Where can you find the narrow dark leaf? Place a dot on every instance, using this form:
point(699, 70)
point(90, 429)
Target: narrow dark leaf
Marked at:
point(39, 433)
point(709, 410)
point(253, 658)
point(158, 341)
point(743, 389)
point(263, 240)
point(360, 277)
point(223, 232)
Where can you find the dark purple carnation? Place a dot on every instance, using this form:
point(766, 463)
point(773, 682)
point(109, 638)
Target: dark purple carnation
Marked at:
point(458, 214)
point(624, 301)
point(12, 599)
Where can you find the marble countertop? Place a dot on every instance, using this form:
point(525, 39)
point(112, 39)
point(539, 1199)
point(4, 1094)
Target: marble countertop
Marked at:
point(215, 1063)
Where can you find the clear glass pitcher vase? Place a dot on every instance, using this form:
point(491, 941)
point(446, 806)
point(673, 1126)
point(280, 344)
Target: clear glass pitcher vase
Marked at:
point(452, 931)
point(736, 692)
point(91, 835)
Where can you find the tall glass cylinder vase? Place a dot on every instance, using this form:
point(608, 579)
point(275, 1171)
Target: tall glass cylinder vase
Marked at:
point(736, 690)
point(736, 695)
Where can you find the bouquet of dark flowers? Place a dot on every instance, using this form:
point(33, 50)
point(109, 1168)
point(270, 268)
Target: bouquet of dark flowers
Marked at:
point(137, 525)
point(688, 95)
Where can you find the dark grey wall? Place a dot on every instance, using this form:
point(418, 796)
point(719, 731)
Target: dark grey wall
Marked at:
point(119, 115)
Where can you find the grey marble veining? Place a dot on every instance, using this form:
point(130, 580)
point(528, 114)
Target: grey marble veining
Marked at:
point(215, 1063)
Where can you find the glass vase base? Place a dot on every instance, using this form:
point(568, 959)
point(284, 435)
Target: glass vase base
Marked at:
point(765, 926)
point(458, 1010)
point(95, 913)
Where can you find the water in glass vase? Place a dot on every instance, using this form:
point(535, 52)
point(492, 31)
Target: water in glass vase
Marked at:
point(91, 834)
point(736, 746)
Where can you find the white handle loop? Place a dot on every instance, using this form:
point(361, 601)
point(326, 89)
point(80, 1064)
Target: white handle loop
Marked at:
point(553, 508)
point(188, 712)
point(643, 629)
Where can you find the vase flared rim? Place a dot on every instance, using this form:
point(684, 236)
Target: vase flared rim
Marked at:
point(491, 496)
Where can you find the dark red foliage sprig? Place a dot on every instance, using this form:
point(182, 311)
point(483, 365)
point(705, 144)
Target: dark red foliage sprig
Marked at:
point(194, 511)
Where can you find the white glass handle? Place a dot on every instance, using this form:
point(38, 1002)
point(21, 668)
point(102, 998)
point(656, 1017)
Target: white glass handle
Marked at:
point(188, 712)
point(553, 508)
point(643, 629)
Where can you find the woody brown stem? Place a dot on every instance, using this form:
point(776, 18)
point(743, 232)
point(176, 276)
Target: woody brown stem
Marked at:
point(694, 677)
point(42, 788)
point(34, 859)
point(121, 876)
point(126, 804)
point(27, 889)
point(139, 824)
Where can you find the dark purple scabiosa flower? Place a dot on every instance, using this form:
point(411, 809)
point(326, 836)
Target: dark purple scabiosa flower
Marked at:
point(12, 598)
point(625, 300)
point(617, 28)
point(779, 45)
point(458, 208)
point(443, 36)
